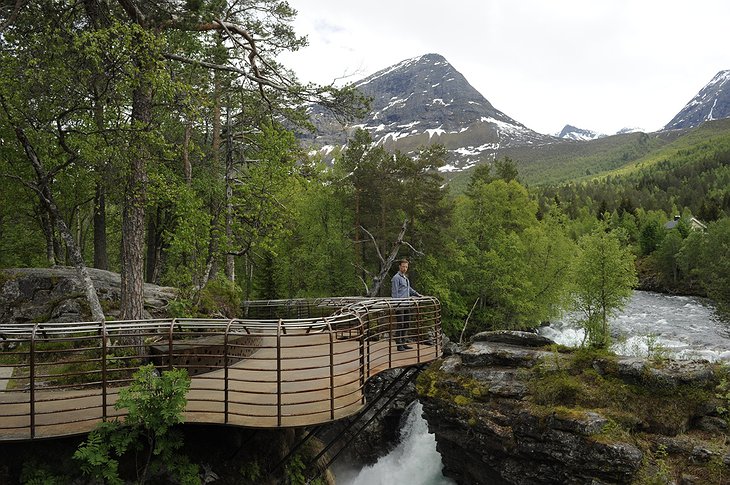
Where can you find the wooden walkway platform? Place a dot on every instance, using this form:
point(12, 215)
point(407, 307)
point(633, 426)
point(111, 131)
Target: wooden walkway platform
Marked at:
point(261, 373)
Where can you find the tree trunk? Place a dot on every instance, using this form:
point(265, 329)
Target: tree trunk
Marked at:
point(132, 286)
point(230, 176)
point(46, 197)
point(211, 265)
point(385, 264)
point(359, 247)
point(54, 240)
point(48, 232)
point(101, 259)
point(97, 314)
point(187, 167)
point(152, 245)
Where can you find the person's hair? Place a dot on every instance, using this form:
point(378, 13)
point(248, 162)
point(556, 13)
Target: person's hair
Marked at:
point(404, 260)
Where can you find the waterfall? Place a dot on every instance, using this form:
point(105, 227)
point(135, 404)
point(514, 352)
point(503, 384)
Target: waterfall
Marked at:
point(414, 461)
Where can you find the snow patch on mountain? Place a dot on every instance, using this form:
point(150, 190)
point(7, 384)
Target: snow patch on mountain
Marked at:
point(711, 103)
point(570, 132)
point(626, 130)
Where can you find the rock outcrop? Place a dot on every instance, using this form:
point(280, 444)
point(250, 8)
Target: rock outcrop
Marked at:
point(508, 409)
point(55, 295)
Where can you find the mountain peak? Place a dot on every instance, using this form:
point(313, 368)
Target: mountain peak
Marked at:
point(570, 132)
point(425, 100)
point(711, 103)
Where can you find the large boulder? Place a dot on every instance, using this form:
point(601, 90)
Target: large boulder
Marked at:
point(56, 295)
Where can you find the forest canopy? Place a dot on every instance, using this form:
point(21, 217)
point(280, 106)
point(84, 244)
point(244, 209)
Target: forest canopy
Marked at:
point(157, 140)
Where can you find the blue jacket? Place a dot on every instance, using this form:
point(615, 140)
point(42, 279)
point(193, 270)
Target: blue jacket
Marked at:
point(401, 287)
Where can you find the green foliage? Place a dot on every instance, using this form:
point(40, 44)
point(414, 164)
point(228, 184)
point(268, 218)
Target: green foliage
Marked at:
point(656, 469)
point(251, 471)
point(565, 161)
point(154, 404)
point(558, 388)
point(651, 235)
point(221, 297)
point(723, 394)
point(644, 405)
point(295, 472)
point(34, 473)
point(603, 281)
point(665, 258)
point(515, 267)
point(714, 266)
point(315, 258)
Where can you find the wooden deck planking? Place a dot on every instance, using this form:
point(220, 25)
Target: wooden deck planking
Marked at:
point(306, 398)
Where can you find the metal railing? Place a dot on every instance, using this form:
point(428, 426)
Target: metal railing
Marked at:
point(287, 363)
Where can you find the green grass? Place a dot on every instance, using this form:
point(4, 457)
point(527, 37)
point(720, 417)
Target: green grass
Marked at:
point(635, 406)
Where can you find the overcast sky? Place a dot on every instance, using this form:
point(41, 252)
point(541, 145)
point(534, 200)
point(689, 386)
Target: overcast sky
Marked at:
point(597, 64)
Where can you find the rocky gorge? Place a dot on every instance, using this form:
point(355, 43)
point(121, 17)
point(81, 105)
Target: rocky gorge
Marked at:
point(514, 408)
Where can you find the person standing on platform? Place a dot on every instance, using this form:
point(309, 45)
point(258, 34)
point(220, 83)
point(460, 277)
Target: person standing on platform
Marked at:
point(401, 288)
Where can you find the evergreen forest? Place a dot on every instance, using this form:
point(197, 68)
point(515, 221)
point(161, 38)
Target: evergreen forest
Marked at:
point(156, 139)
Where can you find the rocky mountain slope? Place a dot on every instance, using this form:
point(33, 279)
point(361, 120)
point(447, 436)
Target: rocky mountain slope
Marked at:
point(425, 100)
point(711, 103)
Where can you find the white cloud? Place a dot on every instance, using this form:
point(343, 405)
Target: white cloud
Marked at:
point(599, 65)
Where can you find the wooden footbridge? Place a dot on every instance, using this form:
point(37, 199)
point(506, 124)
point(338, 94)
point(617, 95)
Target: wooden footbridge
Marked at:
point(288, 363)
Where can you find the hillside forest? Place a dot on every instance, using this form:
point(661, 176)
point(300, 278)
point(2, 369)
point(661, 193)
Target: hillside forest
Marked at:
point(159, 143)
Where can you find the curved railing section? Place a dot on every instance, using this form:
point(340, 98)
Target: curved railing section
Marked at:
point(286, 363)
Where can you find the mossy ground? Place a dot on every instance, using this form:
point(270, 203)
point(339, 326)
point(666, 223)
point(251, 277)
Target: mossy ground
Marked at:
point(568, 385)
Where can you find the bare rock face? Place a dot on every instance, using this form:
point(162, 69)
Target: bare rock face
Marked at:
point(56, 295)
point(486, 404)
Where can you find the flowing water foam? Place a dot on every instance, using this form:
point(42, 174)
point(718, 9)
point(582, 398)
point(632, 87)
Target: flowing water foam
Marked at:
point(681, 327)
point(414, 461)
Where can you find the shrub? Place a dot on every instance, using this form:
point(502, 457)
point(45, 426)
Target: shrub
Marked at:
point(154, 404)
point(221, 296)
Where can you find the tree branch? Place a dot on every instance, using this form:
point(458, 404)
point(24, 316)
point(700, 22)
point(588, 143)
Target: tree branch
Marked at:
point(19, 4)
point(413, 249)
point(133, 11)
point(375, 243)
point(223, 67)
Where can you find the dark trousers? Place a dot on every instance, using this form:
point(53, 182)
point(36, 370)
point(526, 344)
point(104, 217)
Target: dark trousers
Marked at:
point(401, 317)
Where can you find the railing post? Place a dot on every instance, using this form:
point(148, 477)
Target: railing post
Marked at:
point(418, 330)
point(364, 358)
point(332, 373)
point(391, 336)
point(104, 351)
point(437, 326)
point(32, 380)
point(170, 346)
point(225, 372)
point(278, 374)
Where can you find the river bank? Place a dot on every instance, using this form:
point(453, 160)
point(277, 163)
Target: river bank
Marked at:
point(513, 409)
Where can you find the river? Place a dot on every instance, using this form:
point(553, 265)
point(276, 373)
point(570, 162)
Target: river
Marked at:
point(681, 327)
point(651, 323)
